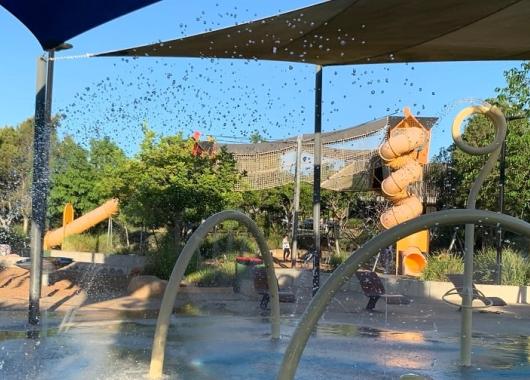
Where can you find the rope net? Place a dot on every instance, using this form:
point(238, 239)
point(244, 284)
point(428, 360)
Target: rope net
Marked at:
point(349, 158)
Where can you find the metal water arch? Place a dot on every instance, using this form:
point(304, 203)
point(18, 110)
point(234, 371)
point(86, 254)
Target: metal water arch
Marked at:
point(469, 216)
point(193, 243)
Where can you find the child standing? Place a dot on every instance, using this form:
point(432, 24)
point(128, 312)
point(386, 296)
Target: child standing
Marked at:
point(286, 248)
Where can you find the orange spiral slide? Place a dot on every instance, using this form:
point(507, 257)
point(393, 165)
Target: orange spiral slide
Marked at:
point(405, 152)
point(77, 226)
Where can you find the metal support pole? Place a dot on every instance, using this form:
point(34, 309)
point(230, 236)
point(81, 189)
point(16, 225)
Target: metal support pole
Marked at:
point(296, 205)
point(317, 157)
point(502, 180)
point(49, 90)
point(466, 328)
point(39, 186)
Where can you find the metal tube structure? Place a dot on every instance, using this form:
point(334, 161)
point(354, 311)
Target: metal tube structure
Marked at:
point(345, 271)
point(502, 180)
point(296, 203)
point(172, 288)
point(49, 89)
point(39, 189)
point(496, 116)
point(317, 161)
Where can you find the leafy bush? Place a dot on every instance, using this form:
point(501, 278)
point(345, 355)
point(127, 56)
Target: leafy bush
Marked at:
point(515, 267)
point(160, 263)
point(441, 263)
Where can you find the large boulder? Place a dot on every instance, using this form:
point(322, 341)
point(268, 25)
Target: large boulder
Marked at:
point(146, 287)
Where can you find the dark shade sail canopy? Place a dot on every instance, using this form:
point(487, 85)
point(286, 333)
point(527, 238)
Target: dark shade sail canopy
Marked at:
point(53, 22)
point(342, 32)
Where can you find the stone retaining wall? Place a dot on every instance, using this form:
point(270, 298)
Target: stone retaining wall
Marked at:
point(436, 289)
point(407, 286)
point(123, 262)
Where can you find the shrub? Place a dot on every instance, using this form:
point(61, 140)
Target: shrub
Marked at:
point(219, 273)
point(337, 259)
point(354, 223)
point(515, 267)
point(441, 263)
point(16, 240)
point(160, 263)
point(80, 243)
point(274, 240)
point(90, 243)
point(225, 243)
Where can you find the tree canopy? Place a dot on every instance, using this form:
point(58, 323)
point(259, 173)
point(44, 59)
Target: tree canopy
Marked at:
point(166, 185)
point(514, 101)
point(82, 176)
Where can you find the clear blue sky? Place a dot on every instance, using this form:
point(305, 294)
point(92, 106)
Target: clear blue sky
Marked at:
point(112, 96)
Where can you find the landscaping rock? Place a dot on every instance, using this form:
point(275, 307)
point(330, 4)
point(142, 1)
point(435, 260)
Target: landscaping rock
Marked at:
point(146, 287)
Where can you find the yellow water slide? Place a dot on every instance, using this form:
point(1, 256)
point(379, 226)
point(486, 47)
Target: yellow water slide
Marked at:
point(405, 151)
point(76, 226)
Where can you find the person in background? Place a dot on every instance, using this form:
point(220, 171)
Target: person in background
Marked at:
point(386, 258)
point(286, 248)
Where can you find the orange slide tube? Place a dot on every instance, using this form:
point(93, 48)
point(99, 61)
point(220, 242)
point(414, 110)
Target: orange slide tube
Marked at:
point(395, 184)
point(403, 143)
point(400, 153)
point(406, 209)
point(81, 224)
point(413, 260)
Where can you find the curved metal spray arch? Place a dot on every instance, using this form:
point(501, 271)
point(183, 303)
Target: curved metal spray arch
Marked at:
point(494, 149)
point(470, 216)
point(346, 270)
point(193, 243)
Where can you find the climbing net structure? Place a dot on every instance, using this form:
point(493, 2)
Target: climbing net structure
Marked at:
point(349, 158)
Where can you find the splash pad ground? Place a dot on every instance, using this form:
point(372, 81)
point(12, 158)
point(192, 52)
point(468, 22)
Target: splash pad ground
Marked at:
point(215, 331)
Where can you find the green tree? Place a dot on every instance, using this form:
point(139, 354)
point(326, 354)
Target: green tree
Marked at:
point(272, 208)
point(72, 180)
point(165, 185)
point(256, 137)
point(514, 100)
point(105, 158)
point(83, 177)
point(15, 174)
